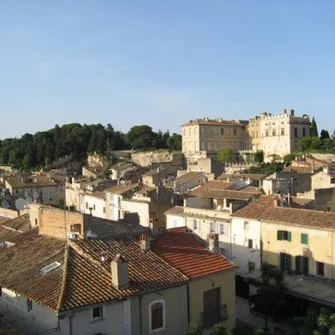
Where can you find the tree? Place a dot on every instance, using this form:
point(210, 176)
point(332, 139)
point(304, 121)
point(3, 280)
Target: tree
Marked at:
point(271, 294)
point(174, 142)
point(225, 155)
point(305, 143)
point(316, 143)
point(324, 134)
point(259, 157)
point(140, 137)
point(219, 329)
point(289, 158)
point(314, 128)
point(194, 330)
point(321, 324)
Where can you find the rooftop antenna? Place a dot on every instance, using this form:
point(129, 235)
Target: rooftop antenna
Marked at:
point(20, 204)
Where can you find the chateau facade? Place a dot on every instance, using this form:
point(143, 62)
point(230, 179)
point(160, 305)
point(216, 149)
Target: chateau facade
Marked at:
point(277, 134)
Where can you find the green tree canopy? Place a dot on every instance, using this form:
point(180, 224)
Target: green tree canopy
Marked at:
point(141, 137)
point(225, 155)
point(259, 156)
point(314, 129)
point(324, 134)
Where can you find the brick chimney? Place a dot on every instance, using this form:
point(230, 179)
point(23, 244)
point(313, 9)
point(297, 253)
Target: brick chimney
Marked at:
point(120, 276)
point(145, 242)
point(213, 243)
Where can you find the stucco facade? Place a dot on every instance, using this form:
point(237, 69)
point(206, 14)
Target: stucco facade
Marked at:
point(277, 134)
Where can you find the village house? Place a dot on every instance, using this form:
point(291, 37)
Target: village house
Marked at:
point(323, 179)
point(298, 241)
point(186, 181)
point(121, 284)
point(93, 171)
point(37, 187)
point(207, 210)
point(244, 179)
point(119, 170)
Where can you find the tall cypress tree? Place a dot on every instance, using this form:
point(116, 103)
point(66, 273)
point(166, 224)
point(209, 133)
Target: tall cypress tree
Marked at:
point(314, 129)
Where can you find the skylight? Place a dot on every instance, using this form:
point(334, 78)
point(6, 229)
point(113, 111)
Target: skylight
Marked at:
point(50, 268)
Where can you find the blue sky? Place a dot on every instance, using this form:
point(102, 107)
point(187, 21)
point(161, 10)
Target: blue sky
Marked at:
point(163, 62)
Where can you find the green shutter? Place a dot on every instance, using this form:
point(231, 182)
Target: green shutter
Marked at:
point(298, 265)
point(282, 261)
point(280, 235)
point(288, 266)
point(305, 265)
point(304, 238)
point(289, 236)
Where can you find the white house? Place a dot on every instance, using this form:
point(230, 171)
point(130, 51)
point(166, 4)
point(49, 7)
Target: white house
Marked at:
point(93, 203)
point(187, 181)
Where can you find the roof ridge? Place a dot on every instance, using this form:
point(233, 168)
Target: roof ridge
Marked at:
point(62, 294)
point(77, 248)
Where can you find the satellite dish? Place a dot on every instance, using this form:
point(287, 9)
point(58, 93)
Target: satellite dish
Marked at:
point(5, 204)
point(29, 200)
point(20, 204)
point(35, 195)
point(90, 234)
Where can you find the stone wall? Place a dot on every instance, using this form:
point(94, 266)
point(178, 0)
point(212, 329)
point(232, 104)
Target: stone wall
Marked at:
point(325, 157)
point(94, 159)
point(57, 223)
point(10, 213)
point(160, 156)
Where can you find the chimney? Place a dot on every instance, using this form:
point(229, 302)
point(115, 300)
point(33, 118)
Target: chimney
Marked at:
point(213, 243)
point(119, 268)
point(326, 169)
point(284, 111)
point(289, 199)
point(292, 112)
point(145, 242)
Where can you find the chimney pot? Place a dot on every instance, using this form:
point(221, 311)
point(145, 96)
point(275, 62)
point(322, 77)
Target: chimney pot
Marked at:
point(120, 275)
point(145, 242)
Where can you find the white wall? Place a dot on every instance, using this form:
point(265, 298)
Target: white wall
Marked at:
point(242, 231)
point(98, 206)
point(173, 221)
point(37, 320)
point(141, 208)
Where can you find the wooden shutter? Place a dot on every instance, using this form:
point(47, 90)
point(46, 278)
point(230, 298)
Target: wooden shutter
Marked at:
point(289, 236)
point(304, 239)
point(288, 262)
point(305, 266)
point(157, 316)
point(298, 265)
point(282, 261)
point(279, 235)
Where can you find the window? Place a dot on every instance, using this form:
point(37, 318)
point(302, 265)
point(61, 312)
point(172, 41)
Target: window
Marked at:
point(320, 269)
point(283, 235)
point(195, 224)
point(250, 243)
point(36, 222)
point(251, 266)
point(266, 133)
point(285, 262)
point(104, 210)
point(156, 316)
point(282, 131)
point(29, 305)
point(97, 313)
point(211, 227)
point(222, 229)
point(50, 267)
point(215, 130)
point(222, 131)
point(235, 131)
point(202, 130)
point(202, 145)
point(86, 205)
point(76, 228)
point(295, 132)
point(246, 225)
point(303, 132)
point(301, 265)
point(304, 238)
point(94, 207)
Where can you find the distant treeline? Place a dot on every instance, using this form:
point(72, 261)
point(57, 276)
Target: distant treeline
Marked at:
point(43, 148)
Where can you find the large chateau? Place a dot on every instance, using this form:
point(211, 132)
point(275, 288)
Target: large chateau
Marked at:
point(277, 134)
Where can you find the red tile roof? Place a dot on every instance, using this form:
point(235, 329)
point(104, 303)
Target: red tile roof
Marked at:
point(187, 253)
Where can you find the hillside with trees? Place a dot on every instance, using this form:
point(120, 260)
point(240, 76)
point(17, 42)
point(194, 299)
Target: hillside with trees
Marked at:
point(43, 148)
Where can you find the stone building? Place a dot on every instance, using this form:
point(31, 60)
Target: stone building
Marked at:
point(277, 134)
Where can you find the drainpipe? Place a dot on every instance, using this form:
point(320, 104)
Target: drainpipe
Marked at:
point(188, 303)
point(140, 300)
point(70, 325)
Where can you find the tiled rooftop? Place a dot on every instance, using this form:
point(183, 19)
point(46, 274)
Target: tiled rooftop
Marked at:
point(121, 189)
point(186, 252)
point(28, 182)
point(18, 222)
point(82, 279)
point(299, 169)
point(177, 210)
point(263, 209)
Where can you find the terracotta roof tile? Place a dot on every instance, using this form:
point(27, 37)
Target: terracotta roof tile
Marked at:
point(82, 279)
point(299, 169)
point(177, 210)
point(121, 189)
point(18, 222)
point(219, 189)
point(186, 252)
point(264, 210)
point(30, 181)
point(252, 189)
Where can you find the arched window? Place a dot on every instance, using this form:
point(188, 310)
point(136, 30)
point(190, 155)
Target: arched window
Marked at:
point(156, 316)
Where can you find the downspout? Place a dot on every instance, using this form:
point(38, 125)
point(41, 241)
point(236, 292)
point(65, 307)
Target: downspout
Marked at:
point(140, 301)
point(188, 303)
point(70, 325)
